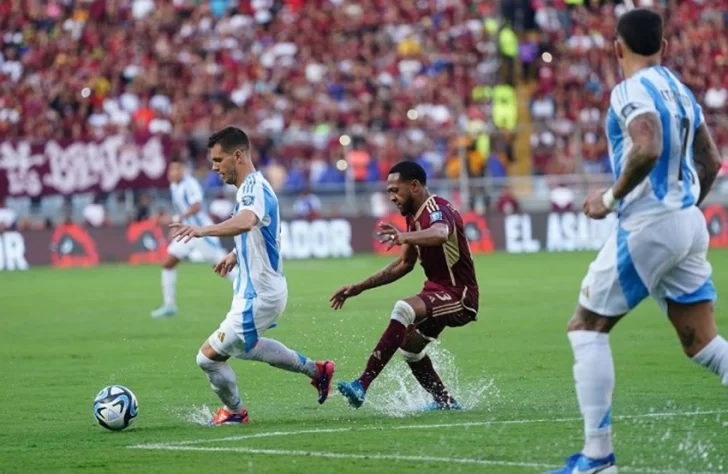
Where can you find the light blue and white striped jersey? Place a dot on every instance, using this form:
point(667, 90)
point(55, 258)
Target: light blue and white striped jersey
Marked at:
point(187, 193)
point(258, 251)
point(673, 184)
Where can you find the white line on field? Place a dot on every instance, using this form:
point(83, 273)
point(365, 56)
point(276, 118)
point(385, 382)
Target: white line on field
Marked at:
point(274, 434)
point(388, 457)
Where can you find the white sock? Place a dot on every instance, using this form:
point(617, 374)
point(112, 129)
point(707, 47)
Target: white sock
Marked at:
point(594, 377)
point(714, 357)
point(278, 355)
point(169, 283)
point(223, 382)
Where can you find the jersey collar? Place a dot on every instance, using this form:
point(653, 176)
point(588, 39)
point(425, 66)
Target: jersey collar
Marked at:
point(424, 204)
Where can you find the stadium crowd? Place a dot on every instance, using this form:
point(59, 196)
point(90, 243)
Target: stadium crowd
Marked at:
point(397, 77)
point(577, 72)
point(426, 80)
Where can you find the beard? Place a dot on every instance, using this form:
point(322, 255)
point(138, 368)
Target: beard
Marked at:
point(231, 178)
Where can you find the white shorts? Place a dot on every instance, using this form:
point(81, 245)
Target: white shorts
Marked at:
point(246, 321)
point(665, 259)
point(207, 249)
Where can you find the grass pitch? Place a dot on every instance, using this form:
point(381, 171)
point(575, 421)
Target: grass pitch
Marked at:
point(65, 334)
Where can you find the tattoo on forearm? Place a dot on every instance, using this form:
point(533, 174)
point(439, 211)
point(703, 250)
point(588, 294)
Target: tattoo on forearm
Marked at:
point(707, 160)
point(392, 272)
point(646, 134)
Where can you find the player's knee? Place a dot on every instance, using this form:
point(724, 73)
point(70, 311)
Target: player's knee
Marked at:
point(403, 312)
point(205, 363)
point(412, 357)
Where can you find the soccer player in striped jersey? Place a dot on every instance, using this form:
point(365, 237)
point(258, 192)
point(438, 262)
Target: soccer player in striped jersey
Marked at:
point(260, 289)
point(189, 205)
point(664, 162)
point(435, 233)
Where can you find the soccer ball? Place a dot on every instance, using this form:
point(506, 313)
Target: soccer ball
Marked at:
point(115, 407)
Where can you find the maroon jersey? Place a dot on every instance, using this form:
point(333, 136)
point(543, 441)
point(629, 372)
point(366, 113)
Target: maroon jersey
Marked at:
point(448, 266)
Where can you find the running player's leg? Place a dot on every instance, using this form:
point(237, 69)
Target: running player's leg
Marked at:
point(259, 315)
point(602, 303)
point(688, 296)
point(404, 313)
point(695, 326)
point(175, 252)
point(443, 309)
point(213, 360)
point(413, 351)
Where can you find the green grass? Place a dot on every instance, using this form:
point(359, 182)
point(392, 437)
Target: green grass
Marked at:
point(65, 334)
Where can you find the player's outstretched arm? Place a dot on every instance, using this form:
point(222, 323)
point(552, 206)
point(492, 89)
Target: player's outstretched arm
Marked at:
point(646, 133)
point(236, 225)
point(391, 273)
point(433, 236)
point(707, 160)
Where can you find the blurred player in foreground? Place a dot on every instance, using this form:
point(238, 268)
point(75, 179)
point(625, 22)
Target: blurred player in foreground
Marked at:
point(449, 298)
point(260, 291)
point(188, 202)
point(665, 162)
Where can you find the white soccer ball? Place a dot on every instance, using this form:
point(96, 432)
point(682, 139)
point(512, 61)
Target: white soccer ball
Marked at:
point(115, 407)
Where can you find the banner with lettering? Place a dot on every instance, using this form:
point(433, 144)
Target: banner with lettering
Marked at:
point(116, 162)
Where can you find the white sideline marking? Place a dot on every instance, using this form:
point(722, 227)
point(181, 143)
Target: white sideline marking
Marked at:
point(390, 457)
point(275, 434)
point(187, 445)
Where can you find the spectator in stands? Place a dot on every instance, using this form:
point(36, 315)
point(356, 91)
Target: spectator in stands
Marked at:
point(307, 205)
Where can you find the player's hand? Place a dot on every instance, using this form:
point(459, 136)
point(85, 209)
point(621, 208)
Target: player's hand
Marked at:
point(337, 301)
point(390, 235)
point(185, 233)
point(226, 265)
point(594, 205)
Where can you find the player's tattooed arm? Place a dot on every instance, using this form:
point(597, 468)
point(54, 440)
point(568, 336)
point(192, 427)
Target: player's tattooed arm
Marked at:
point(707, 160)
point(404, 264)
point(646, 133)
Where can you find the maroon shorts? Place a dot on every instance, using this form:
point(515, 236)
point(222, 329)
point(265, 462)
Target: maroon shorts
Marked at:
point(446, 307)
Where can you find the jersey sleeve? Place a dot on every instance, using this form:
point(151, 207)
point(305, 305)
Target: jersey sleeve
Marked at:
point(629, 100)
point(250, 197)
point(437, 214)
point(193, 191)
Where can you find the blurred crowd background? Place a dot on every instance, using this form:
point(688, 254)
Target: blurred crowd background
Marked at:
point(502, 102)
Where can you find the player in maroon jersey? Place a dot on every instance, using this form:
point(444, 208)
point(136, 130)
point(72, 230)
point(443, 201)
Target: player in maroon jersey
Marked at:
point(436, 234)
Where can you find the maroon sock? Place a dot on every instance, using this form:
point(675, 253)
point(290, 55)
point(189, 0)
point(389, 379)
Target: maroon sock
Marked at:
point(425, 374)
point(391, 339)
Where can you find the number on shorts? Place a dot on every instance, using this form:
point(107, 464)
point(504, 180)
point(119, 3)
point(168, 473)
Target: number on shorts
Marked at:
point(443, 296)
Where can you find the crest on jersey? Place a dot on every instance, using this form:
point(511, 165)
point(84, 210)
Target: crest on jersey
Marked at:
point(435, 216)
point(628, 109)
point(248, 200)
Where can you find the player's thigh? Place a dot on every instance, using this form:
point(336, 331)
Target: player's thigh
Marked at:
point(627, 269)
point(442, 309)
point(228, 340)
point(690, 279)
point(181, 250)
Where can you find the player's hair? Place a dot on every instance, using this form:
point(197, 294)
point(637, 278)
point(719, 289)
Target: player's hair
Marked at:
point(230, 139)
point(408, 171)
point(641, 31)
point(176, 159)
